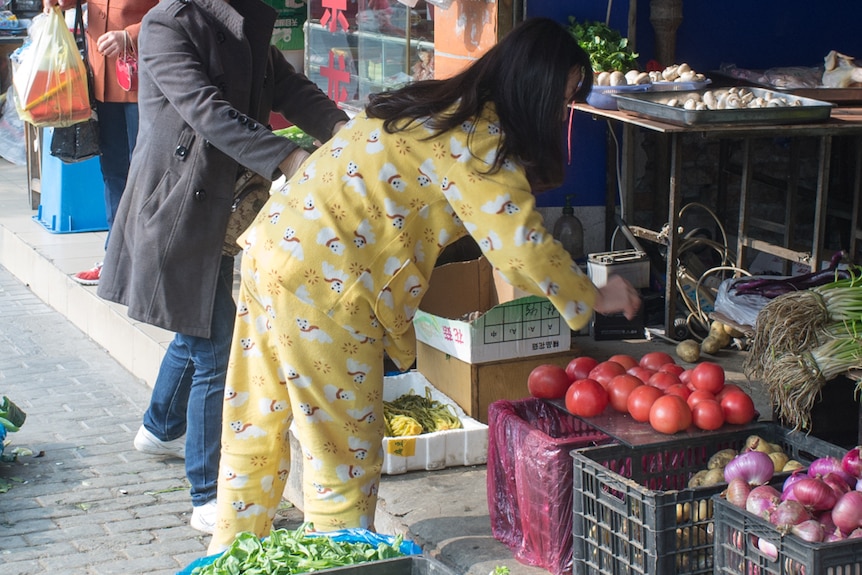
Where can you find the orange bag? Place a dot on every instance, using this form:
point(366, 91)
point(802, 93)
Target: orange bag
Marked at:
point(50, 79)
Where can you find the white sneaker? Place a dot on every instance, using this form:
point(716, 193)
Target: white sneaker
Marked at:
point(146, 442)
point(204, 516)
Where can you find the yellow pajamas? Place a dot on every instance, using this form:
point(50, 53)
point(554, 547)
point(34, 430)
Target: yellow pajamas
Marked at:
point(333, 383)
point(334, 268)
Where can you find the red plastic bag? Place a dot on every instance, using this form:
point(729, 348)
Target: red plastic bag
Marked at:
point(530, 479)
point(50, 79)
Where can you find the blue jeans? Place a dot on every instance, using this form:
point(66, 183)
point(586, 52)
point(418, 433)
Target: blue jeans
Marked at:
point(118, 130)
point(189, 391)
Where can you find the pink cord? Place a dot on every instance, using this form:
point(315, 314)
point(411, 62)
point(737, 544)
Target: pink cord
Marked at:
point(569, 139)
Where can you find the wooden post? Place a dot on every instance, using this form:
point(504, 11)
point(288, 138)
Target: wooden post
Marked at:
point(665, 16)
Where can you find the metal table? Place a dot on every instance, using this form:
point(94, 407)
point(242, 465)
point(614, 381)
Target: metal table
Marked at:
point(843, 122)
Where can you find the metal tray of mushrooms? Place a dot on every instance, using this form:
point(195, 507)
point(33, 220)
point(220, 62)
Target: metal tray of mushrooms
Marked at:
point(734, 105)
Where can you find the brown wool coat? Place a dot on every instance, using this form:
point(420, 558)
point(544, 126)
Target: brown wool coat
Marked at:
point(104, 16)
point(208, 80)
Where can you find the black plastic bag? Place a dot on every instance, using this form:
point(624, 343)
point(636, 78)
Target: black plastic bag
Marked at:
point(77, 142)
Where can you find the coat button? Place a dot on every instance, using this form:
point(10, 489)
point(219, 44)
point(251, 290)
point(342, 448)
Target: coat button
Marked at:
point(207, 144)
point(220, 37)
point(200, 195)
point(253, 126)
point(232, 113)
point(243, 120)
point(181, 151)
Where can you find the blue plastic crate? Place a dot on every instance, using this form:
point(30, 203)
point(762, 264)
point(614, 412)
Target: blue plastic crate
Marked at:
point(72, 196)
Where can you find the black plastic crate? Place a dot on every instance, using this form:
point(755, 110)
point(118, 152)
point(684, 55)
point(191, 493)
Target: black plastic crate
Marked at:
point(635, 514)
point(737, 533)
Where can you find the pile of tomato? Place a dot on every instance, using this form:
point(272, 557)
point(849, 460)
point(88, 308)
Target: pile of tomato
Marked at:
point(653, 389)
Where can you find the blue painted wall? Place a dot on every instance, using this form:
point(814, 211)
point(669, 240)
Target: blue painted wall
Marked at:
point(754, 35)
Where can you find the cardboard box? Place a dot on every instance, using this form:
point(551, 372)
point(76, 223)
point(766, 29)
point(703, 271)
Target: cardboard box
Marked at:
point(501, 321)
point(475, 386)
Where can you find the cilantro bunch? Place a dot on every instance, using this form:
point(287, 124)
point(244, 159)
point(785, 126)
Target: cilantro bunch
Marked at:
point(608, 50)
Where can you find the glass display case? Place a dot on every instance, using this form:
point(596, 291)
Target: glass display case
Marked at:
point(357, 47)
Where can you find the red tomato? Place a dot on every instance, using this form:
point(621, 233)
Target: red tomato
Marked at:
point(728, 387)
point(579, 368)
point(641, 373)
point(663, 380)
point(548, 381)
point(640, 401)
point(673, 368)
point(678, 389)
point(708, 376)
point(669, 414)
point(738, 407)
point(685, 376)
point(699, 395)
point(655, 359)
point(624, 360)
point(619, 390)
point(707, 415)
point(605, 372)
point(586, 398)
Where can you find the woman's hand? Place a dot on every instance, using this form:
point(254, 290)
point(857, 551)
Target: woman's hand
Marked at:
point(48, 5)
point(618, 295)
point(111, 43)
point(291, 163)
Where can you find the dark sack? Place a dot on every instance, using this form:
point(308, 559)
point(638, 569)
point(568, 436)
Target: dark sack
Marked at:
point(77, 142)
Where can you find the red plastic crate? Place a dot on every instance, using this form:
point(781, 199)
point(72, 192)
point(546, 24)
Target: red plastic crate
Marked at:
point(529, 479)
point(635, 514)
point(737, 533)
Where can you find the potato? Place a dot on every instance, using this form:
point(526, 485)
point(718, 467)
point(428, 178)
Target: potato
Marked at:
point(757, 443)
point(717, 330)
point(779, 460)
point(696, 480)
point(713, 477)
point(688, 351)
point(721, 458)
point(710, 345)
point(792, 465)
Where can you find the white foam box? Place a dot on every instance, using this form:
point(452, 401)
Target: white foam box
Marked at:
point(471, 313)
point(436, 450)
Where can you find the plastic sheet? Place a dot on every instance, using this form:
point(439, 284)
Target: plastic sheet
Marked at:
point(530, 479)
point(12, 142)
point(742, 309)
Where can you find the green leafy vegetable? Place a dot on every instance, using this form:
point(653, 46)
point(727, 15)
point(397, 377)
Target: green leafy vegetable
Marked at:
point(298, 137)
point(287, 552)
point(608, 50)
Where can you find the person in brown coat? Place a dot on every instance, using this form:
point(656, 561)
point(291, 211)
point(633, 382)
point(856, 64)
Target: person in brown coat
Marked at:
point(112, 27)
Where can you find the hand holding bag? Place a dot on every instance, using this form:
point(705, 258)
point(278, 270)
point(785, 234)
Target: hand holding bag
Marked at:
point(127, 66)
point(250, 193)
point(80, 141)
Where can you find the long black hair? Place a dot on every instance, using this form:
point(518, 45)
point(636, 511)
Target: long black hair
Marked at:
point(525, 76)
